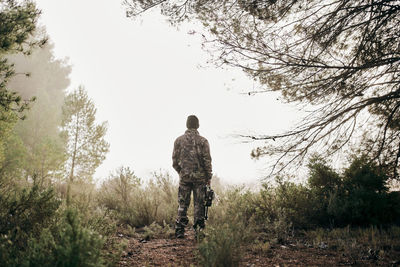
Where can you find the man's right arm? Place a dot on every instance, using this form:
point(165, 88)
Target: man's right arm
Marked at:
point(175, 157)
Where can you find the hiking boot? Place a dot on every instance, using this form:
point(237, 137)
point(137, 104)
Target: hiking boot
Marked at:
point(179, 233)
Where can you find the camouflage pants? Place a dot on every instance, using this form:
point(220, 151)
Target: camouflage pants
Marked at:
point(185, 189)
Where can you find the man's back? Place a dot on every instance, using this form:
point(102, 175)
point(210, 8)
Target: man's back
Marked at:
point(191, 157)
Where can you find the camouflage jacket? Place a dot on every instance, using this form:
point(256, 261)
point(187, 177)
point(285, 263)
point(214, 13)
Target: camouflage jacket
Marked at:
point(191, 157)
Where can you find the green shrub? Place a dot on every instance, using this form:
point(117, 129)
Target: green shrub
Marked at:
point(36, 230)
point(23, 213)
point(91, 215)
point(357, 197)
point(359, 242)
point(222, 245)
point(66, 244)
point(137, 204)
point(234, 202)
point(259, 211)
point(155, 230)
point(363, 198)
point(231, 226)
point(298, 204)
point(28, 210)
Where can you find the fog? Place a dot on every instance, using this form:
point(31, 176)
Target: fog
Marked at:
point(146, 77)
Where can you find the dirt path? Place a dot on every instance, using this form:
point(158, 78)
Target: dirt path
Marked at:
point(182, 252)
point(160, 252)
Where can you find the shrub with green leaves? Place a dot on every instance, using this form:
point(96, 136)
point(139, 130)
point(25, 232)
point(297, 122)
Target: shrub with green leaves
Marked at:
point(137, 204)
point(358, 196)
point(36, 230)
point(66, 244)
point(23, 214)
point(363, 197)
point(222, 245)
point(230, 226)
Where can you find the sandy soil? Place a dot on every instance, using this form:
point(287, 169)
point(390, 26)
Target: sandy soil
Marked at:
point(182, 252)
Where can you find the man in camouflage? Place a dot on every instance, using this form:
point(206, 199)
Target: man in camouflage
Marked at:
point(191, 159)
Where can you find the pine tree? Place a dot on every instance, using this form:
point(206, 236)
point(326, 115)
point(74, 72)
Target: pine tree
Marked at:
point(17, 25)
point(37, 138)
point(86, 146)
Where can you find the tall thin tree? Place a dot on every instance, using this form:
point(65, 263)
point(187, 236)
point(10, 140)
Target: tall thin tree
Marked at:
point(86, 146)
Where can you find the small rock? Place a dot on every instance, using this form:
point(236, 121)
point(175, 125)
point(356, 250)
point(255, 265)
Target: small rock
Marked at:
point(308, 245)
point(372, 254)
point(284, 247)
point(323, 245)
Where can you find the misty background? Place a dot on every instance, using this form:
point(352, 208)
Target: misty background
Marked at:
point(145, 77)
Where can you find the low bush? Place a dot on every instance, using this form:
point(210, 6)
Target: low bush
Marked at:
point(359, 197)
point(222, 245)
point(37, 229)
point(229, 228)
point(363, 198)
point(155, 230)
point(23, 214)
point(132, 202)
point(359, 242)
point(66, 244)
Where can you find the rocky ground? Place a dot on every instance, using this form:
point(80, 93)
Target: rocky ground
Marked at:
point(182, 252)
point(160, 252)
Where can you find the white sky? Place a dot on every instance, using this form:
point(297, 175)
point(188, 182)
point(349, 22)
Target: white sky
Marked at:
point(145, 79)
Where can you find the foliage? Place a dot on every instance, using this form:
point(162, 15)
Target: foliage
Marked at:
point(18, 23)
point(67, 244)
point(23, 214)
point(39, 132)
point(86, 147)
point(358, 243)
point(35, 226)
point(154, 230)
point(138, 204)
point(7, 123)
point(222, 245)
point(357, 197)
point(117, 189)
point(85, 144)
point(36, 230)
point(363, 198)
point(339, 59)
point(231, 225)
point(92, 216)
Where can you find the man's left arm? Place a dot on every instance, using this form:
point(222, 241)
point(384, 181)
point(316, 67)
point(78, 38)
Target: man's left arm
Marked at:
point(207, 160)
